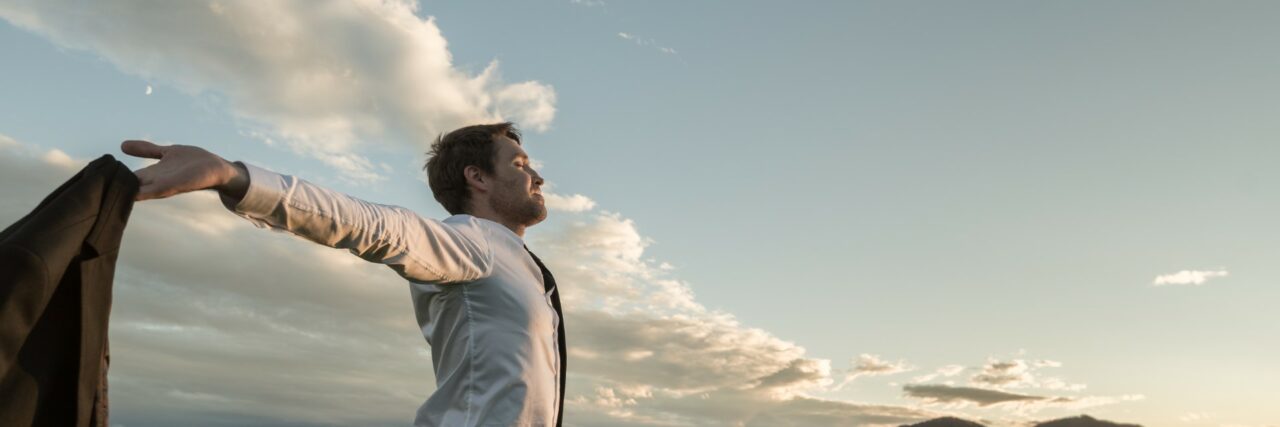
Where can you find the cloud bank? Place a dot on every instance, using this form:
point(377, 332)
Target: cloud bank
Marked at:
point(216, 322)
point(321, 76)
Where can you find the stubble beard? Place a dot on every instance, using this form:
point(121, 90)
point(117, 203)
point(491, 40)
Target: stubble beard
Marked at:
point(526, 211)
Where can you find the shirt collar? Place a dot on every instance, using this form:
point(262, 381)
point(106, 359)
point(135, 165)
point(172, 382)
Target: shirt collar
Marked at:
point(493, 224)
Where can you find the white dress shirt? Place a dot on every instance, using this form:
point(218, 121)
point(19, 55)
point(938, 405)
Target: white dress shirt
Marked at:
point(479, 296)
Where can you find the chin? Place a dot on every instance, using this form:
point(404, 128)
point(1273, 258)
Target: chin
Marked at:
point(539, 217)
point(537, 213)
point(528, 215)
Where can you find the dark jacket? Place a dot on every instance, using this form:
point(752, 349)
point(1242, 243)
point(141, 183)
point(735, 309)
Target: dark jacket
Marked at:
point(56, 267)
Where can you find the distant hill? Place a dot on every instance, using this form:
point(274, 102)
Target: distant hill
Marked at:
point(946, 422)
point(1079, 421)
point(1082, 421)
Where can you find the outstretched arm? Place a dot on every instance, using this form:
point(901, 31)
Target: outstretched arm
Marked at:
point(417, 248)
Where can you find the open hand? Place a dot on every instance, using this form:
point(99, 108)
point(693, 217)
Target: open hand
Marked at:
point(182, 169)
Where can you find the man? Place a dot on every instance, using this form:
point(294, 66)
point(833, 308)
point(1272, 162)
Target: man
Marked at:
point(488, 307)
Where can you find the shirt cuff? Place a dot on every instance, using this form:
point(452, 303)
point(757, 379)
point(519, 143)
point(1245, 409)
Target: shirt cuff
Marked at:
point(265, 192)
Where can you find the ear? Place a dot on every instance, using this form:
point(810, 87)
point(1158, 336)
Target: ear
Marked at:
point(476, 178)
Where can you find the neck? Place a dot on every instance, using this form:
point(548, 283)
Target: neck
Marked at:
point(489, 214)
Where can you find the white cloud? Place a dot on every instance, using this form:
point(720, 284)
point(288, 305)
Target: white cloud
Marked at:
point(57, 157)
point(1188, 277)
point(1019, 373)
point(1014, 373)
point(872, 365)
point(573, 203)
point(29, 172)
point(696, 366)
point(320, 76)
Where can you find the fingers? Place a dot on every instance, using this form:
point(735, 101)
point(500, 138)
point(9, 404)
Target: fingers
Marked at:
point(148, 192)
point(146, 176)
point(139, 148)
point(152, 190)
point(148, 187)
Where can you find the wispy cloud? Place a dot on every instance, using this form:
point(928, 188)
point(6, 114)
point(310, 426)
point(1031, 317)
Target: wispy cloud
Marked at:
point(320, 76)
point(1019, 373)
point(938, 393)
point(1016, 385)
point(1188, 277)
point(948, 396)
point(868, 365)
point(646, 42)
point(571, 203)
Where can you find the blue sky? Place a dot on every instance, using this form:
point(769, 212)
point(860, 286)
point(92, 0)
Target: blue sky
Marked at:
point(986, 189)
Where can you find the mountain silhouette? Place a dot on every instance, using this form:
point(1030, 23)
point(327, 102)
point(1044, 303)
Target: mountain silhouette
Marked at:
point(946, 422)
point(1082, 421)
point(1077, 421)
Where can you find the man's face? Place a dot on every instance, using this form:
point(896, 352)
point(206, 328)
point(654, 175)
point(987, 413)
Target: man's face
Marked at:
point(517, 190)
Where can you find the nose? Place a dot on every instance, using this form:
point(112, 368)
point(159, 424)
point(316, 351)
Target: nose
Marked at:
point(537, 179)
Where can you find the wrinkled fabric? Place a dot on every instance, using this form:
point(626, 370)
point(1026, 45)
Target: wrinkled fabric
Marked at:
point(56, 270)
point(549, 283)
point(479, 296)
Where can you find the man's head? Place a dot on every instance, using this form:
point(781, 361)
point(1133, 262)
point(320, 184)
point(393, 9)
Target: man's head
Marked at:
point(481, 170)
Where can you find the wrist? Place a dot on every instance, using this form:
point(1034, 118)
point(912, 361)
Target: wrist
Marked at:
point(237, 182)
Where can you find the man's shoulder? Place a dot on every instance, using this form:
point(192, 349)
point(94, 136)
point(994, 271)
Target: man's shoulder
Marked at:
point(461, 220)
point(492, 231)
point(475, 228)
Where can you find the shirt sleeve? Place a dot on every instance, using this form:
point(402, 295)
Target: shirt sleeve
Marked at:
point(418, 249)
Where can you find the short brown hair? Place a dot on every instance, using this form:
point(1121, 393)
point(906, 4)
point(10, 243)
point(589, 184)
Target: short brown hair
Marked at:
point(452, 152)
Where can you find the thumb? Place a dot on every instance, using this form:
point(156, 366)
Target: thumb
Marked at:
point(139, 148)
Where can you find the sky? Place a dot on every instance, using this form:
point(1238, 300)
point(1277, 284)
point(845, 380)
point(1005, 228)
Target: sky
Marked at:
point(763, 213)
